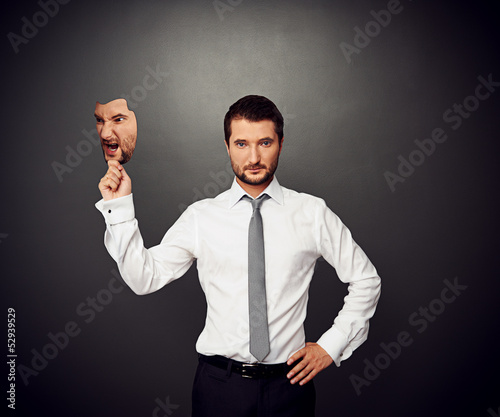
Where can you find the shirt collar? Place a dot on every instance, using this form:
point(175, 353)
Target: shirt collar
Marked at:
point(273, 190)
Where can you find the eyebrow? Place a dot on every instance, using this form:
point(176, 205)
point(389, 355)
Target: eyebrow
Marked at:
point(119, 115)
point(260, 140)
point(113, 117)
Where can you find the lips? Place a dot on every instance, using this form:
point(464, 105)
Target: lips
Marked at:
point(111, 148)
point(254, 170)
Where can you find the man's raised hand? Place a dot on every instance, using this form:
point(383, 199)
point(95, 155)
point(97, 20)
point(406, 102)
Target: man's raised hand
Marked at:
point(116, 183)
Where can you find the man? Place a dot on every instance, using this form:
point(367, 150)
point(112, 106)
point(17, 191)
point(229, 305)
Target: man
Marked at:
point(117, 128)
point(256, 246)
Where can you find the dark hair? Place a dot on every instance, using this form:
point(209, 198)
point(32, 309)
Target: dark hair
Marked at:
point(253, 109)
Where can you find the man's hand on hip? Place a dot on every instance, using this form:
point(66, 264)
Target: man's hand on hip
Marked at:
point(314, 360)
point(116, 183)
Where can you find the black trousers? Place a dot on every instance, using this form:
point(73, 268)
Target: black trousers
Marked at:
point(221, 393)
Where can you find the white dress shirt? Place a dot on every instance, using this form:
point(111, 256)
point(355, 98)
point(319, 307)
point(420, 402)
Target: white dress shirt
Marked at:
point(298, 229)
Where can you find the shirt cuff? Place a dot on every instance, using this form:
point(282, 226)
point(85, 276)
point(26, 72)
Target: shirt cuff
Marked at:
point(118, 210)
point(336, 345)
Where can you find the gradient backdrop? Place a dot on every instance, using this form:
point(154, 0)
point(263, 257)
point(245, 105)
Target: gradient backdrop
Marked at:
point(391, 113)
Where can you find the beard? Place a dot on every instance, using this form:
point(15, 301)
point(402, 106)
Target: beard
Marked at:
point(258, 180)
point(126, 148)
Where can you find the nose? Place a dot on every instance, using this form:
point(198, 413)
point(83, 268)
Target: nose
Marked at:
point(254, 157)
point(106, 131)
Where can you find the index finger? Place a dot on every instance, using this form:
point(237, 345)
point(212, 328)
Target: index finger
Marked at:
point(115, 171)
point(296, 356)
point(298, 366)
point(113, 163)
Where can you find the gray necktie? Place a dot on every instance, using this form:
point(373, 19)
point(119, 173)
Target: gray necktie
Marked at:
point(259, 332)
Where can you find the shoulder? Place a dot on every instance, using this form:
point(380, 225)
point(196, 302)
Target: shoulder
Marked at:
point(205, 204)
point(296, 197)
point(310, 206)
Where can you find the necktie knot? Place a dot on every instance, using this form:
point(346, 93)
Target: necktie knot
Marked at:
point(257, 202)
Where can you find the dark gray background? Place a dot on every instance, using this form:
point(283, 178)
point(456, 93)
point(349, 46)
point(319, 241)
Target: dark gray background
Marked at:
point(346, 125)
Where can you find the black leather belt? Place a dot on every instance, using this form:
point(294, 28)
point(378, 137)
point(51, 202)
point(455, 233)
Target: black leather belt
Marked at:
point(247, 370)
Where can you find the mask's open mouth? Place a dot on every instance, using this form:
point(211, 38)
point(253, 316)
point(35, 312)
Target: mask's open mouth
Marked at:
point(111, 148)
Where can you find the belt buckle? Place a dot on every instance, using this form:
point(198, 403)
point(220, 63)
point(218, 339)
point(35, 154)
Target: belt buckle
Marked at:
point(244, 370)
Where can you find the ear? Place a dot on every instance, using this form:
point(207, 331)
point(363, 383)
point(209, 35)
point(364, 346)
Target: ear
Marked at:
point(281, 145)
point(227, 147)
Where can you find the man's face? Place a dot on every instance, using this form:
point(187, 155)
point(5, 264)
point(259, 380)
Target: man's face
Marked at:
point(254, 150)
point(117, 128)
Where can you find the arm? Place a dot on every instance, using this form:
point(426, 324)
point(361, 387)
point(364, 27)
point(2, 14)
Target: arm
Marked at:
point(144, 270)
point(350, 328)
